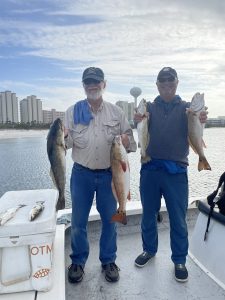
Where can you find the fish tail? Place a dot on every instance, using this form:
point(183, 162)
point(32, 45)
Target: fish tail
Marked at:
point(119, 217)
point(203, 164)
point(61, 202)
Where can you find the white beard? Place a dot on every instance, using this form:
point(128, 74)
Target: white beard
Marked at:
point(94, 95)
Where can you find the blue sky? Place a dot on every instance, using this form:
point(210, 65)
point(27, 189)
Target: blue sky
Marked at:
point(45, 46)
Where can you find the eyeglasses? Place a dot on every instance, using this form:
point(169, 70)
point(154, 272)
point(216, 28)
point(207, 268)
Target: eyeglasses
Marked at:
point(169, 79)
point(91, 81)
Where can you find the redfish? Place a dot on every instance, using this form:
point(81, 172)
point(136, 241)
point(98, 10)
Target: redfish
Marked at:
point(120, 178)
point(142, 130)
point(195, 130)
point(56, 150)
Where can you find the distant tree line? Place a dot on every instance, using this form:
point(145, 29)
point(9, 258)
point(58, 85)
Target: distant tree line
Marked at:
point(214, 125)
point(28, 125)
point(35, 125)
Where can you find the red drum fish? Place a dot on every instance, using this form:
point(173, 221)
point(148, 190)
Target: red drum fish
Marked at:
point(120, 178)
point(142, 130)
point(195, 130)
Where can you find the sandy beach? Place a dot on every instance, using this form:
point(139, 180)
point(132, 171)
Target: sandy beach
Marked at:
point(21, 133)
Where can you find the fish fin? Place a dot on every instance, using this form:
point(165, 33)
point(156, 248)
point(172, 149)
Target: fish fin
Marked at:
point(119, 217)
point(53, 177)
point(123, 165)
point(203, 144)
point(114, 191)
point(61, 202)
point(203, 164)
point(145, 159)
point(128, 196)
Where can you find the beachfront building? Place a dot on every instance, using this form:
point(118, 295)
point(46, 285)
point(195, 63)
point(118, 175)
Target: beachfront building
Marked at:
point(49, 116)
point(8, 107)
point(31, 110)
point(128, 109)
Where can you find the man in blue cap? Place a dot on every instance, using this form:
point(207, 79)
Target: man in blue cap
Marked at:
point(166, 173)
point(90, 126)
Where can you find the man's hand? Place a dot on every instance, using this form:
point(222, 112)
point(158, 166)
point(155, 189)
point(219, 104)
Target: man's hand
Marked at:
point(125, 140)
point(138, 117)
point(203, 116)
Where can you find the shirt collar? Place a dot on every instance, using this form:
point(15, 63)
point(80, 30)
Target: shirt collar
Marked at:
point(175, 100)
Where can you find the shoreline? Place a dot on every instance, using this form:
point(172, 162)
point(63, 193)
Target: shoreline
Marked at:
point(22, 133)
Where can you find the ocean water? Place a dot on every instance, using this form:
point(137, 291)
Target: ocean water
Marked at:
point(24, 165)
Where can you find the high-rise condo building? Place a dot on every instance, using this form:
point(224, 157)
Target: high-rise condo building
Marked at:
point(49, 116)
point(31, 110)
point(8, 107)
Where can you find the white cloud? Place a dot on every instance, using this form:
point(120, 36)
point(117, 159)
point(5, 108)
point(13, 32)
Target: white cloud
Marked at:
point(131, 40)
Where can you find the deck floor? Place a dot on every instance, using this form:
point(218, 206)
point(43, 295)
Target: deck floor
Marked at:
point(154, 281)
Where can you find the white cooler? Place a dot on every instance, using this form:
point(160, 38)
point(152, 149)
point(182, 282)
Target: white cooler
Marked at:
point(26, 247)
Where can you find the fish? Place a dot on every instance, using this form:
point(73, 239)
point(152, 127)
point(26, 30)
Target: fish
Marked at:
point(142, 130)
point(36, 210)
point(9, 214)
point(56, 150)
point(195, 130)
point(120, 178)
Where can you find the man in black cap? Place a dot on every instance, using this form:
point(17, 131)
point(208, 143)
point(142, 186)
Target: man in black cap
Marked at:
point(166, 173)
point(90, 127)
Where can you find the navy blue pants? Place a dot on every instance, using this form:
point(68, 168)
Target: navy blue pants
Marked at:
point(83, 184)
point(174, 188)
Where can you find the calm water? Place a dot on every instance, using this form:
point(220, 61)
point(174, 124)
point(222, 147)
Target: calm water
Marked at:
point(24, 165)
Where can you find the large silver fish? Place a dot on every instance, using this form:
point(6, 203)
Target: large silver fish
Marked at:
point(142, 130)
point(195, 130)
point(36, 210)
point(56, 153)
point(9, 214)
point(120, 178)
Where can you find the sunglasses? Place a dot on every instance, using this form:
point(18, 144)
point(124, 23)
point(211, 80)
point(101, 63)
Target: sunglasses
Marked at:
point(169, 79)
point(91, 81)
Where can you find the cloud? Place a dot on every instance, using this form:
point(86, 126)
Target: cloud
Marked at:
point(131, 40)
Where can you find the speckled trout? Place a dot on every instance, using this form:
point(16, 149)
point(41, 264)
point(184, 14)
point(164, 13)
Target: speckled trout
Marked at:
point(195, 130)
point(142, 130)
point(9, 214)
point(36, 210)
point(56, 150)
point(120, 178)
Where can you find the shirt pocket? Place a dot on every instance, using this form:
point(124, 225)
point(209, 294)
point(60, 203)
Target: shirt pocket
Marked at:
point(80, 135)
point(111, 129)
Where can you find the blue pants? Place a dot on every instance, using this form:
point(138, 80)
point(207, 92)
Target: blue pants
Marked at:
point(84, 183)
point(174, 188)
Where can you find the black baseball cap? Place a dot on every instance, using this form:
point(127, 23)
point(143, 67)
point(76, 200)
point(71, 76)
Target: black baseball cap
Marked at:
point(167, 72)
point(93, 73)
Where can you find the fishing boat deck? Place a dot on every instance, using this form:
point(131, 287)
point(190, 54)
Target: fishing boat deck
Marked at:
point(154, 281)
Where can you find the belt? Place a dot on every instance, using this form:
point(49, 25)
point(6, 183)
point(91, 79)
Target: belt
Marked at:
point(93, 170)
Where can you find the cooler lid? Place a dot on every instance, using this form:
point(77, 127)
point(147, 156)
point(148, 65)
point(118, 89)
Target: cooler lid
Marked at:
point(20, 224)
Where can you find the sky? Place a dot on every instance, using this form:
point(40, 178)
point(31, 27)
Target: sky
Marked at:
point(45, 45)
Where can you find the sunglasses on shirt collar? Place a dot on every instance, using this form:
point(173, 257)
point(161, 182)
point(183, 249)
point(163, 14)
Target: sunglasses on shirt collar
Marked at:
point(169, 79)
point(91, 81)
